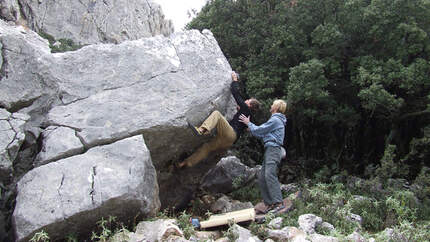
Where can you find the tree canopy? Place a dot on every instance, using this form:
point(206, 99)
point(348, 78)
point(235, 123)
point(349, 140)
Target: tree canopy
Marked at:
point(356, 73)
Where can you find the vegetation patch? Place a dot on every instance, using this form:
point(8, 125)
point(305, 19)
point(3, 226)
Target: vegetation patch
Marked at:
point(60, 45)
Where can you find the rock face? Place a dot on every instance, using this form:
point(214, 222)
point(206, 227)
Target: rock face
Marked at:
point(11, 139)
point(9, 10)
point(25, 63)
point(107, 92)
point(148, 86)
point(82, 106)
point(90, 21)
point(73, 194)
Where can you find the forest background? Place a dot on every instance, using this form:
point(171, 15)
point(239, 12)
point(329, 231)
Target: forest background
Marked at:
point(356, 75)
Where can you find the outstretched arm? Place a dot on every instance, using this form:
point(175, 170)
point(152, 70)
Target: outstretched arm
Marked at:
point(258, 131)
point(234, 87)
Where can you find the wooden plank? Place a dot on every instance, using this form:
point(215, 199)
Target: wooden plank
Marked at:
point(235, 217)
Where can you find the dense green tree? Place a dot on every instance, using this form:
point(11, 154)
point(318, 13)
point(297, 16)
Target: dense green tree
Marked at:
point(356, 73)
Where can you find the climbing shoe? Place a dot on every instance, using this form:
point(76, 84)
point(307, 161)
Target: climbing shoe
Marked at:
point(195, 130)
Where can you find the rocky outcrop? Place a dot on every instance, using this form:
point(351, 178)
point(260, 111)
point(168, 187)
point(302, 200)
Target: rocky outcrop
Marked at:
point(107, 92)
point(11, 138)
point(75, 104)
point(71, 195)
point(78, 103)
point(148, 86)
point(90, 22)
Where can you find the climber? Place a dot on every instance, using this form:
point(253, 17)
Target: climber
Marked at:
point(272, 133)
point(227, 132)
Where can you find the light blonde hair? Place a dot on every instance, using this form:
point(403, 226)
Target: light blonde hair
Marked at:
point(281, 105)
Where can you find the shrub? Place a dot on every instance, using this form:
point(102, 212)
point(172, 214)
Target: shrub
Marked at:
point(184, 223)
point(63, 46)
point(40, 236)
point(250, 193)
point(404, 205)
point(371, 211)
point(107, 228)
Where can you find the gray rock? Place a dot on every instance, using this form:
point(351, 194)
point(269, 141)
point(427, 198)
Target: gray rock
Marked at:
point(9, 10)
point(276, 223)
point(90, 22)
point(322, 238)
point(110, 92)
point(224, 205)
point(309, 222)
point(3, 233)
point(355, 218)
point(289, 188)
point(206, 236)
point(25, 70)
point(286, 234)
point(356, 237)
point(327, 226)
point(11, 138)
point(243, 235)
point(228, 175)
point(159, 230)
point(148, 86)
point(58, 143)
point(71, 195)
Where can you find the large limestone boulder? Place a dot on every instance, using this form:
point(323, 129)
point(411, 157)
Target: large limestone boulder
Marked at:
point(106, 92)
point(90, 21)
point(11, 138)
point(71, 195)
point(149, 86)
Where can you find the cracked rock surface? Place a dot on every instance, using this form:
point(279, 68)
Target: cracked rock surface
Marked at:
point(11, 138)
point(79, 108)
point(117, 179)
point(90, 22)
point(24, 73)
point(149, 86)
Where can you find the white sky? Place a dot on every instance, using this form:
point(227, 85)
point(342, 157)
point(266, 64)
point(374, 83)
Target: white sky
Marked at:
point(176, 10)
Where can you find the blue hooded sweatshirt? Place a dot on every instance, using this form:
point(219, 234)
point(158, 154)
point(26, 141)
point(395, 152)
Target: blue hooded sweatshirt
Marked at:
point(271, 132)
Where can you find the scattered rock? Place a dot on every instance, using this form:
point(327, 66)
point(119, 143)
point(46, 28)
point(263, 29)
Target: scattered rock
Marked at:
point(242, 234)
point(228, 175)
point(276, 223)
point(327, 226)
point(289, 188)
point(356, 237)
point(207, 235)
point(159, 230)
point(224, 205)
point(355, 218)
point(309, 222)
point(286, 234)
point(322, 238)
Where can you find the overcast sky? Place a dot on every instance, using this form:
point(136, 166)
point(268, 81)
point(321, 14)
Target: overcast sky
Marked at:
point(176, 10)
